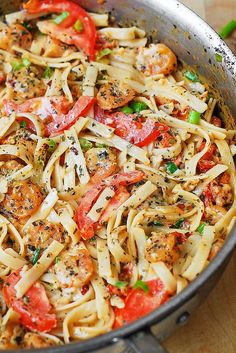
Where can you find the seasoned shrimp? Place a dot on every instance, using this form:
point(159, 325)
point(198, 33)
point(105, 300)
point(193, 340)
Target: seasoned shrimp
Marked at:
point(11, 336)
point(156, 59)
point(114, 94)
point(40, 234)
point(214, 213)
point(74, 269)
point(162, 247)
point(20, 137)
point(101, 163)
point(34, 340)
point(9, 167)
point(25, 83)
point(23, 198)
point(15, 34)
point(222, 194)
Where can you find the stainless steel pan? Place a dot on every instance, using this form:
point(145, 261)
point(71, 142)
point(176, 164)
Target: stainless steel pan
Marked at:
point(196, 44)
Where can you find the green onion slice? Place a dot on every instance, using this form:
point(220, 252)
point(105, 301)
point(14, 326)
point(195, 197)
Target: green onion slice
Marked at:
point(138, 106)
point(102, 53)
point(59, 19)
point(85, 144)
point(36, 256)
point(23, 124)
point(194, 117)
point(178, 224)
point(79, 26)
point(171, 167)
point(120, 284)
point(127, 110)
point(141, 285)
point(191, 76)
point(218, 57)
point(200, 228)
point(48, 72)
point(228, 29)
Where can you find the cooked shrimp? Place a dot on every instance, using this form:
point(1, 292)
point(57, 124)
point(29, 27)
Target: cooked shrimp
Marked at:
point(40, 234)
point(74, 269)
point(23, 198)
point(214, 213)
point(114, 94)
point(9, 167)
point(156, 59)
point(222, 194)
point(20, 137)
point(216, 246)
point(162, 247)
point(11, 336)
point(101, 163)
point(54, 48)
point(15, 34)
point(25, 83)
point(34, 340)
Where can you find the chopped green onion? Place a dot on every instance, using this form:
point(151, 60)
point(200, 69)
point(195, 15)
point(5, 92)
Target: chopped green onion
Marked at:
point(23, 124)
point(102, 53)
point(178, 224)
point(120, 284)
point(191, 76)
point(79, 26)
point(36, 256)
point(93, 239)
point(171, 167)
point(141, 285)
point(26, 62)
point(157, 224)
point(48, 72)
point(218, 57)
point(200, 228)
point(59, 19)
point(99, 145)
point(228, 29)
point(138, 106)
point(52, 145)
point(172, 141)
point(57, 259)
point(16, 66)
point(127, 110)
point(85, 144)
point(194, 117)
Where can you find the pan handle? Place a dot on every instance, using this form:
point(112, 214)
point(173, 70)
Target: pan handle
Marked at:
point(143, 342)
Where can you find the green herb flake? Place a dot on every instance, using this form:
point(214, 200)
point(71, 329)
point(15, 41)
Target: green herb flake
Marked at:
point(218, 57)
point(59, 19)
point(23, 124)
point(57, 260)
point(36, 256)
point(25, 299)
point(141, 285)
point(191, 76)
point(157, 224)
point(178, 224)
point(48, 72)
point(26, 62)
point(127, 110)
point(51, 144)
point(120, 284)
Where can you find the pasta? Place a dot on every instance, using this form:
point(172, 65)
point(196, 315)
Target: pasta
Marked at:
point(117, 177)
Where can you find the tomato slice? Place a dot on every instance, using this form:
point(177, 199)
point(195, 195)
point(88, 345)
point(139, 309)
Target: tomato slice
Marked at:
point(206, 162)
point(34, 308)
point(85, 224)
point(56, 110)
point(131, 127)
point(65, 31)
point(138, 303)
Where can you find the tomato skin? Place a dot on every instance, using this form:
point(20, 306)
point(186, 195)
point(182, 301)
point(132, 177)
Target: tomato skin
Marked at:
point(216, 121)
point(35, 312)
point(138, 303)
point(205, 165)
point(206, 162)
point(85, 40)
point(55, 109)
point(225, 178)
point(132, 129)
point(85, 224)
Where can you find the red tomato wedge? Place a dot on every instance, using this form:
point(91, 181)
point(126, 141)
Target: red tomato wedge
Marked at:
point(206, 162)
point(65, 31)
point(138, 303)
point(54, 111)
point(85, 224)
point(132, 128)
point(34, 308)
